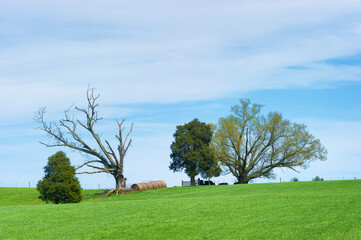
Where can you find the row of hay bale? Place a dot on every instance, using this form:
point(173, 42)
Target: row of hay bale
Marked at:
point(149, 185)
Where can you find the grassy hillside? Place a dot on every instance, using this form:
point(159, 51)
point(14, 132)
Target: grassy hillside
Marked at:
point(29, 196)
point(299, 210)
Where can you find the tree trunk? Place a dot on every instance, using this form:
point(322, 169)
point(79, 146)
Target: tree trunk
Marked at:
point(193, 181)
point(242, 179)
point(120, 182)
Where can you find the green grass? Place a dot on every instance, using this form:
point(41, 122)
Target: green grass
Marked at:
point(298, 210)
point(29, 196)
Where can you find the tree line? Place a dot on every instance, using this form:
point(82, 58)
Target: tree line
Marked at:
point(246, 144)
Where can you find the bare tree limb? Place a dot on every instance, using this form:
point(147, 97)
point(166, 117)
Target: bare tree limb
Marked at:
point(85, 164)
point(65, 133)
point(106, 171)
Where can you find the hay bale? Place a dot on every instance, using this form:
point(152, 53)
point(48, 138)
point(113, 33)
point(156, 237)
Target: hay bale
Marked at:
point(145, 186)
point(153, 185)
point(159, 185)
point(149, 185)
point(162, 184)
point(140, 187)
point(135, 187)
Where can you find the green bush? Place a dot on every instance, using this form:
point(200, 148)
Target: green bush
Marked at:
point(317, 178)
point(59, 185)
point(294, 179)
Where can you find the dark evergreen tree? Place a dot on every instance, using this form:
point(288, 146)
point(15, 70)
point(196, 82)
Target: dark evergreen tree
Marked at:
point(59, 185)
point(191, 151)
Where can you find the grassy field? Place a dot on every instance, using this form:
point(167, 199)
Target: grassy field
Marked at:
point(297, 210)
point(29, 196)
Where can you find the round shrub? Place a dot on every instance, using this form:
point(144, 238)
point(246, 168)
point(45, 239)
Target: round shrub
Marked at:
point(59, 185)
point(317, 178)
point(294, 179)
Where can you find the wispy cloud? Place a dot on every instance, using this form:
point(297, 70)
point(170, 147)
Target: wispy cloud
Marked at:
point(170, 52)
point(136, 52)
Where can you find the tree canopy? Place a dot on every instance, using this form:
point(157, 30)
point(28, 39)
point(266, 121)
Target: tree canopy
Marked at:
point(59, 184)
point(191, 151)
point(251, 145)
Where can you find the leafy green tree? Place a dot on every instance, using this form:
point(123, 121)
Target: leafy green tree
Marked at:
point(191, 151)
point(209, 167)
point(59, 184)
point(251, 145)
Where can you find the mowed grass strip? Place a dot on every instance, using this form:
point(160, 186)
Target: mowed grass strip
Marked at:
point(19, 197)
point(29, 196)
point(300, 210)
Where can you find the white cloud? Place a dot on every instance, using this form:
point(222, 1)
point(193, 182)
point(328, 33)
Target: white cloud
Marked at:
point(337, 135)
point(169, 52)
point(342, 140)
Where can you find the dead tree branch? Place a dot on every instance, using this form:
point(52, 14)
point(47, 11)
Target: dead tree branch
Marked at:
point(65, 133)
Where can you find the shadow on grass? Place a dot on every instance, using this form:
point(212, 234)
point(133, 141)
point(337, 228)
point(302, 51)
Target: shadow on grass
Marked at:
point(89, 194)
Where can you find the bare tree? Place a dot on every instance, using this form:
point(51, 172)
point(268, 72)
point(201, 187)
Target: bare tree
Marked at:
point(103, 157)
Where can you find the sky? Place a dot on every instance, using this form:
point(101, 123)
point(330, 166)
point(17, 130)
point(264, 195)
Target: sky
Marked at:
point(160, 64)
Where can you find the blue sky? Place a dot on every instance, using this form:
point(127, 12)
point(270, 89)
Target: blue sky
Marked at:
point(160, 64)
